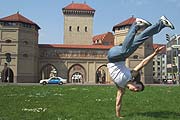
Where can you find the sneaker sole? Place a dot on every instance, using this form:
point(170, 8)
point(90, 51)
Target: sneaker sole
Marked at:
point(171, 25)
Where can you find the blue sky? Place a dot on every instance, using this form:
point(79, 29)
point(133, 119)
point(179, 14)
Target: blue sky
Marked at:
point(48, 15)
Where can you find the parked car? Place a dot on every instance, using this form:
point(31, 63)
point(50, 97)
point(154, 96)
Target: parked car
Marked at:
point(170, 81)
point(53, 80)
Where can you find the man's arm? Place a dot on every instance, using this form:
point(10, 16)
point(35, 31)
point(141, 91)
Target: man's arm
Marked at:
point(120, 93)
point(148, 59)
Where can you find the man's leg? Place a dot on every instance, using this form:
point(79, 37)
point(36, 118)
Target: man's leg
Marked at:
point(149, 32)
point(118, 53)
point(128, 41)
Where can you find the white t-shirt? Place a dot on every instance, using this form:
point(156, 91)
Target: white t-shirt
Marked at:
point(119, 73)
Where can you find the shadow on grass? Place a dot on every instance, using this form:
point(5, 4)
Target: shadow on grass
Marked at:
point(159, 114)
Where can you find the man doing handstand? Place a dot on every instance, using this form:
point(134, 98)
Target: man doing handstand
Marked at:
point(120, 74)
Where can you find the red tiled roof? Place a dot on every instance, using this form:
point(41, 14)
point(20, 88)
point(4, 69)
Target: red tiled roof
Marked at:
point(18, 18)
point(104, 39)
point(126, 22)
point(163, 51)
point(99, 37)
point(78, 6)
point(75, 46)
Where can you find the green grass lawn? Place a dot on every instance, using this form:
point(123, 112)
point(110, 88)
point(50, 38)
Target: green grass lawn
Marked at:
point(87, 103)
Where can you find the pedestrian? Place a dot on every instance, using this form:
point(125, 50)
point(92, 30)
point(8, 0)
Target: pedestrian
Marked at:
point(120, 74)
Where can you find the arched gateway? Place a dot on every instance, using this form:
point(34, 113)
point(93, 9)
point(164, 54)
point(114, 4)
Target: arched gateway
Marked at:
point(76, 74)
point(76, 63)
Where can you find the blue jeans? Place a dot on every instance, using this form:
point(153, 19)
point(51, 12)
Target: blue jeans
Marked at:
point(132, 42)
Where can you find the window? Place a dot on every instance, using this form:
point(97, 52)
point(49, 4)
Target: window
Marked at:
point(122, 28)
point(27, 25)
point(86, 29)
point(8, 41)
point(78, 29)
point(135, 57)
point(70, 28)
point(25, 55)
point(25, 42)
point(9, 24)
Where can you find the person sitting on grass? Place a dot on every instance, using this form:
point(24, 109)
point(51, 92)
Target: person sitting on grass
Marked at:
point(120, 74)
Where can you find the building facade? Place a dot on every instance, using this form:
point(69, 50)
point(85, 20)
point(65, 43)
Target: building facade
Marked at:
point(82, 59)
point(20, 40)
point(173, 51)
point(160, 65)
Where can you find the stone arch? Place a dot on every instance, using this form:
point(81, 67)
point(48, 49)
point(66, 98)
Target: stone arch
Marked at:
point(7, 75)
point(48, 71)
point(76, 74)
point(8, 39)
point(101, 74)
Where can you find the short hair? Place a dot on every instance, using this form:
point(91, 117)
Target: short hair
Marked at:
point(140, 83)
point(120, 44)
point(136, 76)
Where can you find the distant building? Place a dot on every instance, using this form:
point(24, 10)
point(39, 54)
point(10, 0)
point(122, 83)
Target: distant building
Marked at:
point(173, 61)
point(159, 65)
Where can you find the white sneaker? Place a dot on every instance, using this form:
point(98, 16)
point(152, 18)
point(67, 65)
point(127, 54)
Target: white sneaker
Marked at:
point(142, 23)
point(166, 22)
